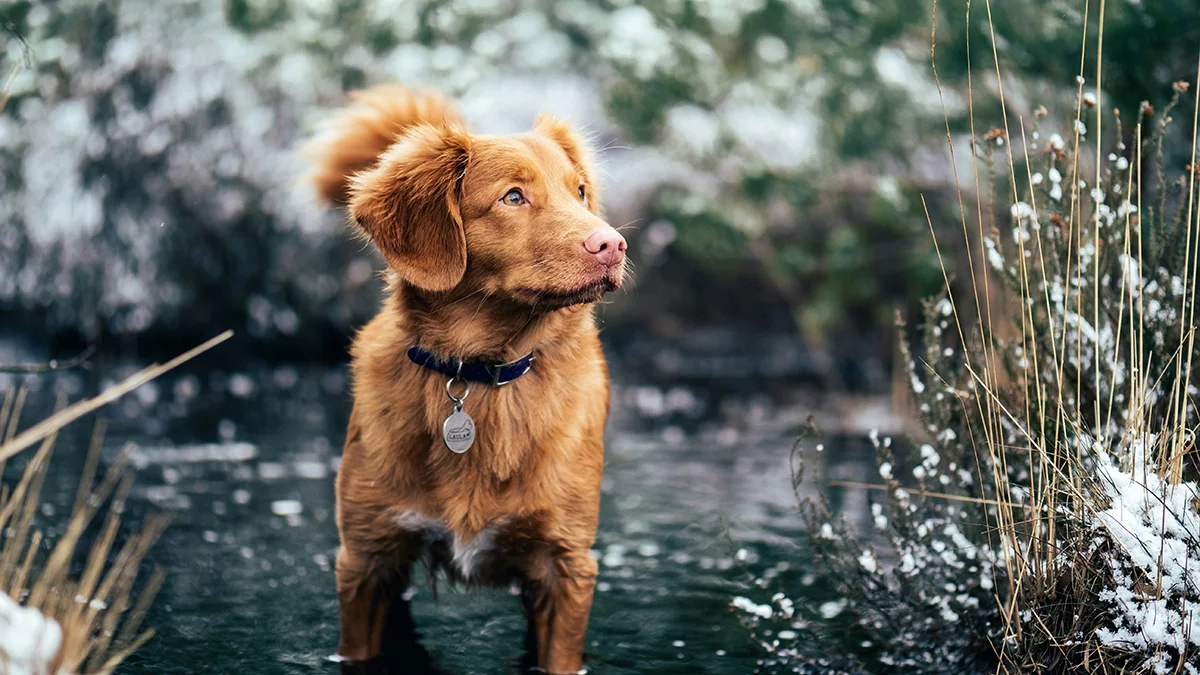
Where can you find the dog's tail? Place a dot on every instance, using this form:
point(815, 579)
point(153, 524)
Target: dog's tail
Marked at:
point(354, 138)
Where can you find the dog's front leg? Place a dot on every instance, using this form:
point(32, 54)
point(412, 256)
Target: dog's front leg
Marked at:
point(560, 604)
point(365, 597)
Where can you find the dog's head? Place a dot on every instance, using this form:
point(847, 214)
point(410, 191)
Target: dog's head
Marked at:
point(515, 217)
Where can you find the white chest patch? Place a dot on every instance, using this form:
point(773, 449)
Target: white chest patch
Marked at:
point(470, 555)
point(467, 557)
point(412, 521)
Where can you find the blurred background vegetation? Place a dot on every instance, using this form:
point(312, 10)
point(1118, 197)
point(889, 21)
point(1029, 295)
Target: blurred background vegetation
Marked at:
point(769, 156)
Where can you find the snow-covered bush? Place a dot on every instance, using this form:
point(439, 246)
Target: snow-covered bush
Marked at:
point(1155, 575)
point(1047, 516)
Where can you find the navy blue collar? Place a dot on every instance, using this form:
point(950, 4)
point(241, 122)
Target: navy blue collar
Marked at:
point(476, 371)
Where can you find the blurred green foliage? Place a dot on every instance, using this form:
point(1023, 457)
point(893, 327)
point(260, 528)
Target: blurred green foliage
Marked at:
point(868, 68)
point(809, 130)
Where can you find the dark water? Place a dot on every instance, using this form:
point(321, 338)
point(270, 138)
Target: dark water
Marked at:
point(696, 494)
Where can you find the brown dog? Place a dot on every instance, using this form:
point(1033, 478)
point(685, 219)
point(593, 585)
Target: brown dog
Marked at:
point(497, 250)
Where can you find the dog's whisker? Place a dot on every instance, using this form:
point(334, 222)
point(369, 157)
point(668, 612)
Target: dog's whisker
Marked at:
point(528, 320)
point(482, 301)
point(612, 145)
point(463, 298)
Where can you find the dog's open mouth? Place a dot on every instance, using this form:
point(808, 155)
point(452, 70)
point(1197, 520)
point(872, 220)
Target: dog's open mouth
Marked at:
point(590, 292)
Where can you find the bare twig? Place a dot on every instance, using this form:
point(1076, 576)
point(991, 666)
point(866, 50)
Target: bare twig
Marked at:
point(60, 419)
point(918, 493)
point(80, 361)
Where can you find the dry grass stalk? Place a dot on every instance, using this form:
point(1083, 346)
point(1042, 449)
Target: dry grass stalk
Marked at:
point(1052, 572)
point(64, 417)
point(94, 607)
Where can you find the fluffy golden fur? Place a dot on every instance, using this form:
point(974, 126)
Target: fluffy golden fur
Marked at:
point(476, 276)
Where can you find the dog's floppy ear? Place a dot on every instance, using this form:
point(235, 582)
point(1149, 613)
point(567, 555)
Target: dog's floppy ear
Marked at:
point(408, 204)
point(578, 151)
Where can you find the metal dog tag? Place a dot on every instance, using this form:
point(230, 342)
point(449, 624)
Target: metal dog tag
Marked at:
point(458, 431)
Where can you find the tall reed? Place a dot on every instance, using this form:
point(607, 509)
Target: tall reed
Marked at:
point(1047, 518)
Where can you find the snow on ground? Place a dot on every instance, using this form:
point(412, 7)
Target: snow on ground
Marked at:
point(1156, 524)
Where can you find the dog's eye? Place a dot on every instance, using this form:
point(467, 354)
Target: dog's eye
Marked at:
point(582, 194)
point(513, 197)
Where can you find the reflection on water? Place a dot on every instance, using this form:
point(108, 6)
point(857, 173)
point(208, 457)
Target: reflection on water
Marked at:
point(696, 489)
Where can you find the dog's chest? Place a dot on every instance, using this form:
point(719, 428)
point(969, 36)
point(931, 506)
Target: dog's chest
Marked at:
point(487, 557)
